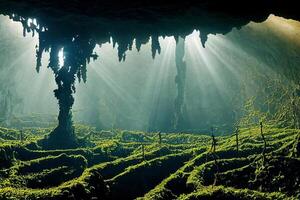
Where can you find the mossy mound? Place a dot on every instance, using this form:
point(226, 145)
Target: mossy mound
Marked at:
point(134, 165)
point(229, 174)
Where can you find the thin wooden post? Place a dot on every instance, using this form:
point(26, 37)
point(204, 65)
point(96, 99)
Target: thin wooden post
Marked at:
point(143, 146)
point(21, 136)
point(237, 138)
point(296, 146)
point(159, 137)
point(264, 139)
point(213, 149)
point(143, 151)
point(214, 142)
point(295, 114)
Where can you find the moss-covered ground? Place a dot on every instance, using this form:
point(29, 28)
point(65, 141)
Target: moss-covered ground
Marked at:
point(135, 165)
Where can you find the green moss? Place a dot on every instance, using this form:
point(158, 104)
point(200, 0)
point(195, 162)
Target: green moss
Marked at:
point(182, 167)
point(144, 177)
point(222, 193)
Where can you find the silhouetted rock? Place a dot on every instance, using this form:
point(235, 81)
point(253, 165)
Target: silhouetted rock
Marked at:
point(75, 27)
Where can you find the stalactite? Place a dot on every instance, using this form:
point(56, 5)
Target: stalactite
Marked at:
point(155, 46)
point(77, 53)
point(180, 84)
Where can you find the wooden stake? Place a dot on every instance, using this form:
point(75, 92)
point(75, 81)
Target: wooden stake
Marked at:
point(264, 139)
point(21, 135)
point(214, 142)
point(159, 137)
point(143, 151)
point(213, 148)
point(237, 138)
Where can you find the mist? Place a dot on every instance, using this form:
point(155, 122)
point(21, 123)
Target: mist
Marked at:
point(139, 93)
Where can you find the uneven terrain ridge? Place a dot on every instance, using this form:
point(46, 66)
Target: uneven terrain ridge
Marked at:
point(137, 165)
